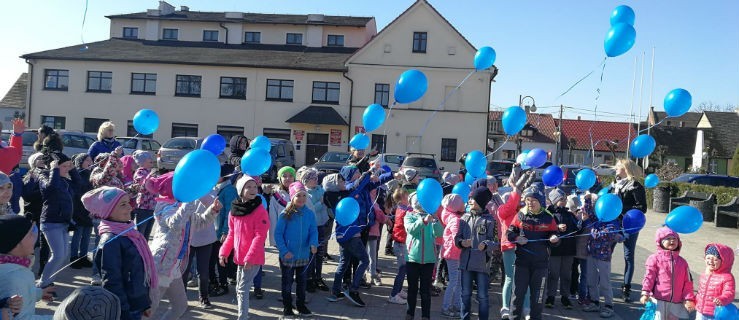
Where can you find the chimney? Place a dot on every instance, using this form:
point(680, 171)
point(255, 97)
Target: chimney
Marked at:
point(316, 17)
point(184, 8)
point(165, 8)
point(578, 118)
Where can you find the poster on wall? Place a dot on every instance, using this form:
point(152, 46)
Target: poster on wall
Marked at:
point(359, 129)
point(335, 137)
point(298, 134)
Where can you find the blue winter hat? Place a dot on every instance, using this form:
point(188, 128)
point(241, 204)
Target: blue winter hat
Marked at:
point(535, 193)
point(713, 251)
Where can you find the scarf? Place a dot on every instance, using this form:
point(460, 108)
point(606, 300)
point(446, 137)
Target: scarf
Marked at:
point(129, 230)
point(623, 185)
point(280, 198)
point(241, 208)
point(21, 261)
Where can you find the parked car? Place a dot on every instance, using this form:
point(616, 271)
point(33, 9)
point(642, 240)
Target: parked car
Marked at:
point(605, 170)
point(131, 144)
point(709, 179)
point(568, 182)
point(500, 169)
point(332, 161)
point(74, 142)
point(392, 160)
point(283, 154)
point(423, 163)
point(540, 170)
point(173, 150)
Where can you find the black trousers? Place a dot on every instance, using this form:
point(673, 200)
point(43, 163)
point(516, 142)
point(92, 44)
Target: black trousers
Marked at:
point(528, 277)
point(419, 272)
point(229, 271)
point(202, 257)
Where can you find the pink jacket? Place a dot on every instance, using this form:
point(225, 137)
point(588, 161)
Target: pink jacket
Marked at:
point(246, 236)
point(449, 250)
point(379, 221)
point(719, 284)
point(667, 275)
point(505, 216)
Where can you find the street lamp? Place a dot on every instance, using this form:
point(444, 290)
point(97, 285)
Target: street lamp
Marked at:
point(527, 107)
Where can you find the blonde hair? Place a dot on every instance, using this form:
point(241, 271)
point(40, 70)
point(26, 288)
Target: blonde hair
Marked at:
point(103, 127)
point(291, 208)
point(631, 168)
point(398, 195)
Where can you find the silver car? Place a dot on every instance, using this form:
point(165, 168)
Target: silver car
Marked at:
point(173, 150)
point(74, 142)
point(131, 144)
point(423, 163)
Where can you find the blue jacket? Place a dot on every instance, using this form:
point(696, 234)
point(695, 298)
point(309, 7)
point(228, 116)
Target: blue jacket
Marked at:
point(123, 273)
point(105, 146)
point(226, 196)
point(361, 192)
point(296, 235)
point(58, 194)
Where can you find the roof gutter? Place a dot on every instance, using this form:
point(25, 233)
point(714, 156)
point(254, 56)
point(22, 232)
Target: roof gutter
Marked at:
point(224, 28)
point(351, 104)
point(29, 93)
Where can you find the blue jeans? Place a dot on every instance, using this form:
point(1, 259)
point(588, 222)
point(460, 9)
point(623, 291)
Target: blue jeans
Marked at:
point(290, 274)
point(96, 224)
point(80, 241)
point(132, 315)
point(258, 279)
point(629, 251)
point(315, 269)
point(353, 248)
point(483, 282)
point(400, 254)
point(453, 292)
point(57, 234)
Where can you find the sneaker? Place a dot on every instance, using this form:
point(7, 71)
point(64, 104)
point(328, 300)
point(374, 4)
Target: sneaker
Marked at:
point(397, 299)
point(403, 294)
point(96, 280)
point(573, 297)
point(304, 312)
point(549, 303)
point(592, 307)
point(321, 285)
point(377, 281)
point(327, 257)
point(389, 252)
point(449, 314)
point(607, 312)
point(193, 283)
point(354, 298)
point(258, 293)
point(288, 311)
point(218, 291)
point(205, 304)
point(310, 286)
point(336, 297)
point(232, 281)
point(365, 284)
point(566, 303)
point(435, 292)
point(438, 284)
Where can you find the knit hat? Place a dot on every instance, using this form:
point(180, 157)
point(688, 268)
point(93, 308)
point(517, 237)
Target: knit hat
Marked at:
point(415, 204)
point(482, 196)
point(242, 182)
point(89, 303)
point(77, 159)
point(140, 156)
point(573, 202)
point(13, 228)
point(161, 185)
point(333, 183)
point(227, 169)
point(535, 193)
point(556, 195)
point(102, 157)
point(410, 174)
point(295, 188)
point(713, 251)
point(308, 174)
point(453, 203)
point(283, 170)
point(101, 201)
point(450, 178)
point(32, 159)
point(4, 179)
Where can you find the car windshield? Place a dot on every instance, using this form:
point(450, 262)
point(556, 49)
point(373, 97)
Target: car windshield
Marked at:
point(394, 159)
point(181, 144)
point(500, 167)
point(127, 142)
point(335, 157)
point(420, 163)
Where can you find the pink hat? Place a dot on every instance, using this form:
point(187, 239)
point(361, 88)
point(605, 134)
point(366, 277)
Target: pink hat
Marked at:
point(101, 201)
point(162, 185)
point(295, 188)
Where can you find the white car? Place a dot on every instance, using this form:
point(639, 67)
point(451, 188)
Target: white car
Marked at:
point(605, 170)
point(392, 160)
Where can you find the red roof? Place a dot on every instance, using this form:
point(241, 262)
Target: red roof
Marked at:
point(602, 131)
point(544, 124)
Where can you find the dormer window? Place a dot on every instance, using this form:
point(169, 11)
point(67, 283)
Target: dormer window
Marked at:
point(130, 33)
point(419, 42)
point(252, 37)
point(210, 35)
point(335, 40)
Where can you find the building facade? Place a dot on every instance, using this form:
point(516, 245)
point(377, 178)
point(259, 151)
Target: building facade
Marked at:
point(540, 132)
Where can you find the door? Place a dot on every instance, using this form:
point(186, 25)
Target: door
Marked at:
point(317, 145)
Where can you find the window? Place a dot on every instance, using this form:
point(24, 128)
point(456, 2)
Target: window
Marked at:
point(99, 81)
point(169, 34)
point(326, 92)
point(55, 122)
point(379, 142)
point(382, 94)
point(294, 38)
point(187, 86)
point(56, 79)
point(335, 40)
point(527, 132)
point(131, 131)
point(279, 90)
point(252, 37)
point(143, 83)
point(229, 131)
point(276, 133)
point(448, 149)
point(210, 35)
point(233, 88)
point(132, 33)
point(184, 130)
point(495, 126)
point(509, 154)
point(419, 42)
point(92, 125)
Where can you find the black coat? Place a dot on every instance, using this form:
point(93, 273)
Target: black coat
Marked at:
point(81, 216)
point(567, 246)
point(633, 196)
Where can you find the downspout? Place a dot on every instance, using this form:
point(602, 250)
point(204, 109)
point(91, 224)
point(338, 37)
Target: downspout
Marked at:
point(487, 109)
point(351, 104)
point(224, 28)
point(29, 92)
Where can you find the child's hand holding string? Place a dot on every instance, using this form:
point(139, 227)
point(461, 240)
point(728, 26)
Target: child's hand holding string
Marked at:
point(690, 305)
point(216, 207)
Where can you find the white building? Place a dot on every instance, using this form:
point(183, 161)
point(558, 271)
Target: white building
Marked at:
point(306, 78)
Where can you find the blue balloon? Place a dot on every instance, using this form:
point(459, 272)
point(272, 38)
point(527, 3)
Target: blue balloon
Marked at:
point(195, 175)
point(373, 117)
point(484, 58)
point(619, 39)
point(727, 312)
point(642, 146)
point(347, 211)
point(514, 119)
point(651, 181)
point(677, 102)
point(264, 201)
point(521, 158)
point(608, 207)
point(585, 179)
point(684, 219)
point(260, 142)
point(536, 158)
point(552, 176)
point(146, 121)
point(430, 194)
point(623, 14)
point(476, 163)
point(634, 220)
point(215, 143)
point(411, 86)
point(360, 141)
point(463, 190)
point(604, 191)
point(256, 162)
point(469, 179)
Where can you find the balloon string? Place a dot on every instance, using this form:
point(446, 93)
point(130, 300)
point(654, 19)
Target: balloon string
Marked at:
point(654, 125)
point(82, 29)
point(597, 97)
point(577, 82)
point(448, 95)
point(501, 146)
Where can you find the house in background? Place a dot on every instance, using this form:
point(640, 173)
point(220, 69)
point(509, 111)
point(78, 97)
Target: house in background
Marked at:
point(687, 120)
point(611, 140)
point(539, 132)
point(719, 148)
point(13, 104)
point(675, 145)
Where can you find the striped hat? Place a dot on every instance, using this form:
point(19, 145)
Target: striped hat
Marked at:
point(89, 303)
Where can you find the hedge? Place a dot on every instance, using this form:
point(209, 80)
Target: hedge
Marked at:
point(677, 189)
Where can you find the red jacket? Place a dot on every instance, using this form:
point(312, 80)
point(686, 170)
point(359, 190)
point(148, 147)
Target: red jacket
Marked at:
point(505, 216)
point(246, 236)
point(399, 233)
point(719, 284)
point(10, 156)
point(667, 277)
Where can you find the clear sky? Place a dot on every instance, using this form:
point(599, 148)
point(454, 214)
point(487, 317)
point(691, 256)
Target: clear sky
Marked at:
point(542, 47)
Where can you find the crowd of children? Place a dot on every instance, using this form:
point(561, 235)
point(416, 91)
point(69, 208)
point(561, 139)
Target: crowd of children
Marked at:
point(150, 243)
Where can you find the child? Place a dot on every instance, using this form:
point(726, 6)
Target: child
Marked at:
point(145, 200)
point(422, 228)
point(453, 210)
point(297, 238)
point(6, 191)
point(280, 198)
point(603, 237)
point(309, 178)
point(400, 198)
point(411, 179)
point(125, 262)
point(534, 223)
point(475, 237)
point(128, 168)
point(248, 225)
point(374, 239)
point(562, 256)
point(717, 283)
point(668, 279)
point(226, 195)
point(579, 273)
point(82, 220)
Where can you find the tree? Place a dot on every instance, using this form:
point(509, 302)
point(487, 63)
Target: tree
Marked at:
point(710, 106)
point(734, 170)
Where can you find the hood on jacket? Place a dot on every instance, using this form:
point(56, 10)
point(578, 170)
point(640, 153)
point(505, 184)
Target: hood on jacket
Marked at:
point(727, 257)
point(333, 183)
point(234, 143)
point(78, 159)
point(347, 172)
point(665, 232)
point(453, 203)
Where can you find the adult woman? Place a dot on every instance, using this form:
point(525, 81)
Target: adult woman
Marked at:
point(41, 134)
point(106, 141)
point(632, 196)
